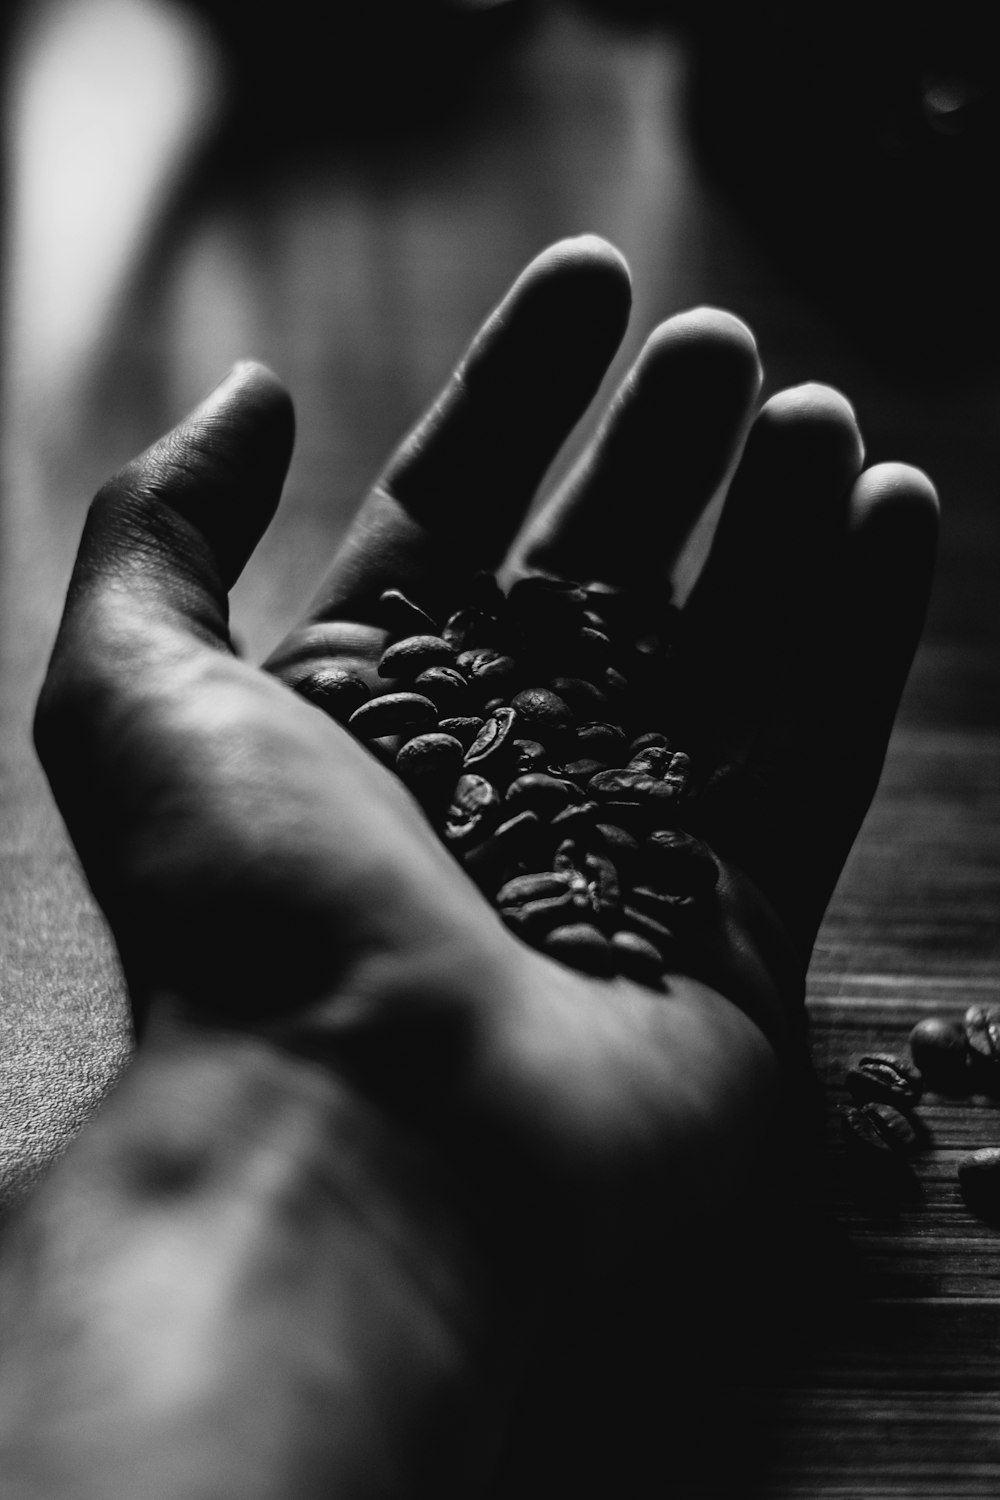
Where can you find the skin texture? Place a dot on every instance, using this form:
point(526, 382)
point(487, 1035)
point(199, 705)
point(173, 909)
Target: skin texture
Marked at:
point(292, 931)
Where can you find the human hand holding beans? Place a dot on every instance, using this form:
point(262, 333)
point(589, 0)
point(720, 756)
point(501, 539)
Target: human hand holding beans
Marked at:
point(264, 875)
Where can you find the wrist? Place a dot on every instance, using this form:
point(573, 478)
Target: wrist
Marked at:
point(266, 1281)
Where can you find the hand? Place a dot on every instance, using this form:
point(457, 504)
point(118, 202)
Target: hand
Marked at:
point(263, 871)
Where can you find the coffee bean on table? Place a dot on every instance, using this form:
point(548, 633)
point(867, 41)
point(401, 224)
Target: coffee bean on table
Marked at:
point(982, 1032)
point(877, 1130)
point(879, 1077)
point(939, 1049)
point(979, 1182)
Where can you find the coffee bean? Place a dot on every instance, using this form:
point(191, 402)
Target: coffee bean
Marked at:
point(488, 669)
point(534, 887)
point(581, 695)
point(940, 1051)
point(580, 772)
point(878, 1077)
point(429, 759)
point(517, 838)
point(469, 627)
point(529, 755)
point(393, 713)
point(652, 739)
point(663, 938)
point(546, 795)
point(465, 728)
point(582, 946)
point(678, 862)
point(445, 687)
point(401, 616)
point(490, 744)
point(474, 810)
point(574, 821)
point(982, 1032)
point(414, 654)
point(654, 760)
point(603, 884)
point(979, 1181)
point(602, 742)
point(637, 958)
point(634, 786)
point(541, 713)
point(335, 690)
point(877, 1130)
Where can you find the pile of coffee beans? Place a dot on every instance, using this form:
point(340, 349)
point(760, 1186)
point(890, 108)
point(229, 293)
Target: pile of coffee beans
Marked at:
point(530, 726)
point(949, 1055)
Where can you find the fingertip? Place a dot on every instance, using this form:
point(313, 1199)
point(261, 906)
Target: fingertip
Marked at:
point(900, 488)
point(816, 413)
point(703, 338)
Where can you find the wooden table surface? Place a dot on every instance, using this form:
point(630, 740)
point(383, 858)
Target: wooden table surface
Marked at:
point(158, 232)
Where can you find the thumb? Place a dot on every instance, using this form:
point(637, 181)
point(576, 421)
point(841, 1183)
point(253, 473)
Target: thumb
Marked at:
point(178, 523)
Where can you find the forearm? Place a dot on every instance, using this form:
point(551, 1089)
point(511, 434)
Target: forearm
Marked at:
point(240, 1282)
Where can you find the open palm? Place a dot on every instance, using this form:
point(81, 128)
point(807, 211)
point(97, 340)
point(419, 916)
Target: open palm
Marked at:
point(262, 871)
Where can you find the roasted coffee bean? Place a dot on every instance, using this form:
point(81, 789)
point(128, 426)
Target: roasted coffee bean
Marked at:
point(393, 713)
point(982, 1032)
point(488, 669)
point(534, 887)
point(401, 616)
point(414, 654)
point(444, 686)
point(430, 760)
point(517, 838)
point(878, 1077)
point(652, 739)
point(469, 627)
point(654, 760)
point(582, 946)
point(489, 747)
point(663, 938)
point(615, 684)
point(940, 1051)
point(979, 1181)
point(546, 795)
point(603, 885)
point(623, 848)
point(679, 862)
point(636, 958)
point(465, 728)
point(631, 786)
point(877, 1130)
point(581, 695)
point(581, 771)
point(678, 773)
point(601, 742)
point(474, 811)
point(542, 714)
point(335, 690)
point(574, 821)
point(529, 755)
point(634, 817)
